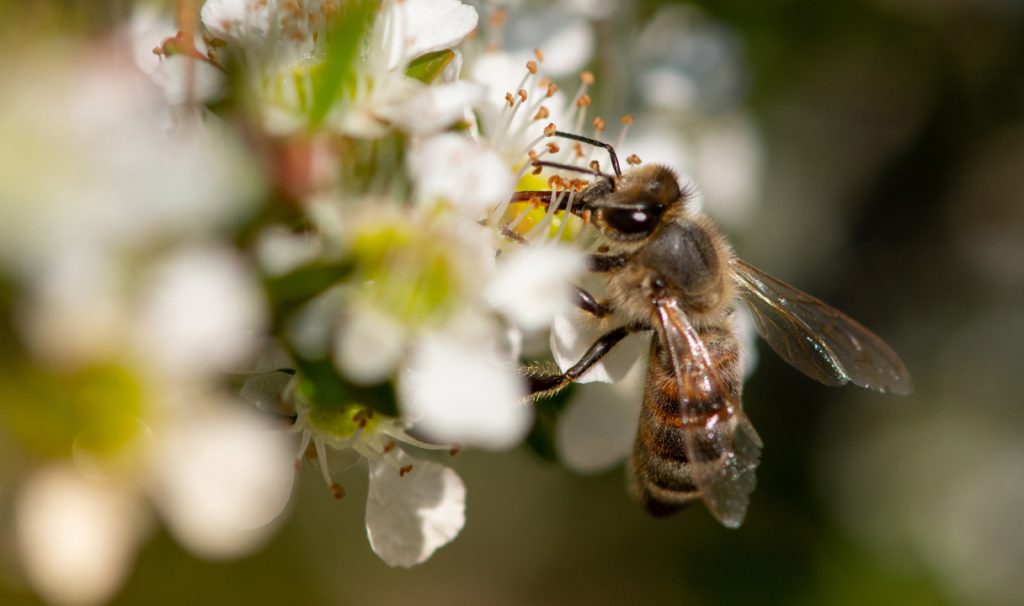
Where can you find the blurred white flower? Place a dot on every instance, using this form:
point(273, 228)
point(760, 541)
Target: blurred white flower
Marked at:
point(460, 390)
point(533, 284)
point(369, 346)
point(77, 536)
point(200, 311)
point(181, 77)
point(453, 168)
point(221, 479)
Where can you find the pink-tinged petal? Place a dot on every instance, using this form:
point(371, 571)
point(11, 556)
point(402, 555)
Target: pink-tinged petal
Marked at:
point(413, 508)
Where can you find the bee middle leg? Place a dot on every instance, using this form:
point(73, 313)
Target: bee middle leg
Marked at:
point(549, 383)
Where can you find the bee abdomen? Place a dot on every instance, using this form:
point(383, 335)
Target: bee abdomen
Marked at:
point(660, 471)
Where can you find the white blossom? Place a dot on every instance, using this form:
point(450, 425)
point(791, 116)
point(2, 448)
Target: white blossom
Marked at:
point(533, 284)
point(460, 391)
point(453, 168)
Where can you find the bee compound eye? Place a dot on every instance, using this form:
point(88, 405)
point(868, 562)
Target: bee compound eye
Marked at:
point(632, 221)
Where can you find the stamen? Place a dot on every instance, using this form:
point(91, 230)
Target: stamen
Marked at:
point(627, 120)
point(587, 77)
point(531, 66)
point(321, 456)
point(566, 216)
point(542, 113)
point(539, 54)
point(598, 124)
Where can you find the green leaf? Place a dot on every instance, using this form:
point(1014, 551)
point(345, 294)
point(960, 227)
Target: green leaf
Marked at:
point(427, 68)
point(344, 39)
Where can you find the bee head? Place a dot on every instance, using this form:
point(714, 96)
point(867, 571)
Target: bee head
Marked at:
point(634, 209)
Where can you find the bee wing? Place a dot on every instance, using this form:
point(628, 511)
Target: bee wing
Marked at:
point(819, 340)
point(722, 447)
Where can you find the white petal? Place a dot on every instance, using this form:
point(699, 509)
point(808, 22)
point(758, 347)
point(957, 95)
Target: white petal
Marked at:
point(184, 79)
point(533, 284)
point(368, 346)
point(452, 167)
point(597, 429)
point(568, 49)
point(572, 333)
point(77, 537)
point(266, 391)
point(222, 478)
point(435, 108)
point(457, 392)
point(409, 517)
point(201, 311)
point(238, 20)
point(418, 27)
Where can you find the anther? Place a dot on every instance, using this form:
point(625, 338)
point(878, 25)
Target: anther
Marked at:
point(633, 160)
point(552, 89)
point(522, 95)
point(509, 99)
point(542, 113)
point(455, 449)
point(577, 148)
point(539, 54)
point(389, 446)
point(531, 66)
point(599, 124)
point(627, 119)
point(583, 101)
point(595, 166)
point(337, 491)
point(404, 470)
point(587, 77)
point(498, 18)
point(550, 130)
point(552, 147)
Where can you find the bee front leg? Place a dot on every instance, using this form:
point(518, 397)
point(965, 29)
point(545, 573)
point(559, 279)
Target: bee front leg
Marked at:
point(546, 383)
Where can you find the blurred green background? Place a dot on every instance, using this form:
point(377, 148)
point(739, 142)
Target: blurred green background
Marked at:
point(892, 180)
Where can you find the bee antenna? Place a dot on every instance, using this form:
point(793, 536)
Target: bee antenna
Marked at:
point(596, 143)
point(578, 169)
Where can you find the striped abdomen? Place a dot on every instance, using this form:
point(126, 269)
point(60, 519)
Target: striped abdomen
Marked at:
point(660, 472)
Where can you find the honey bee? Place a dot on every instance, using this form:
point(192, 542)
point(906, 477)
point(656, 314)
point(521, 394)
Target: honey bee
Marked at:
point(669, 270)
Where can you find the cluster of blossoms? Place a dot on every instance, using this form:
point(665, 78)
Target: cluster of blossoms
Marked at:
point(273, 232)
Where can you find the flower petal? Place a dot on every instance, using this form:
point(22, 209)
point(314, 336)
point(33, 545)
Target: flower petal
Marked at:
point(368, 346)
point(200, 311)
point(418, 27)
point(222, 478)
point(532, 284)
point(410, 515)
point(572, 333)
point(457, 392)
point(452, 167)
point(77, 536)
point(597, 429)
point(238, 20)
point(434, 108)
